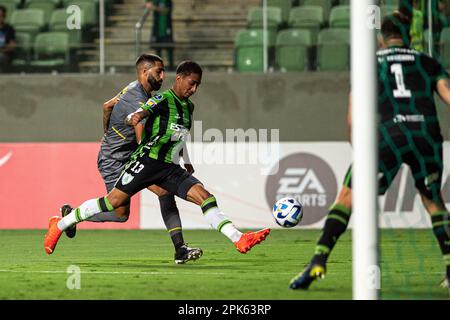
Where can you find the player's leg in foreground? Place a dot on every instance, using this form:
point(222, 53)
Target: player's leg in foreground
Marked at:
point(114, 200)
point(440, 221)
point(169, 212)
point(219, 221)
point(335, 225)
point(171, 217)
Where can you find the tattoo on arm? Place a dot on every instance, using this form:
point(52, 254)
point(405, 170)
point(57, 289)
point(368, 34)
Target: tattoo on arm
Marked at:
point(106, 118)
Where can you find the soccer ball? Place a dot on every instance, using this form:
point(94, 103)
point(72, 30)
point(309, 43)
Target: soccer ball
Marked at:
point(287, 212)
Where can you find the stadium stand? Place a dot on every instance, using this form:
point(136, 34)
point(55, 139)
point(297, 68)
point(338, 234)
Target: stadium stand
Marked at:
point(249, 54)
point(324, 4)
point(51, 51)
point(208, 36)
point(333, 50)
point(255, 18)
point(22, 56)
point(307, 17)
point(284, 5)
point(47, 6)
point(340, 17)
point(31, 21)
point(292, 49)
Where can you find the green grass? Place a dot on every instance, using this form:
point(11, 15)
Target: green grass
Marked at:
point(139, 265)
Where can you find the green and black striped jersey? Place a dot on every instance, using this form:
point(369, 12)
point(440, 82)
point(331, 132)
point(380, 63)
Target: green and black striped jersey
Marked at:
point(407, 82)
point(166, 128)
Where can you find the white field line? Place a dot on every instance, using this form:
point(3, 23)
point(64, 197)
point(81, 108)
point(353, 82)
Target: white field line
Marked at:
point(112, 272)
point(192, 272)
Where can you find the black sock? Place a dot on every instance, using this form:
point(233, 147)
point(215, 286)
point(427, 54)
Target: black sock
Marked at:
point(335, 225)
point(171, 217)
point(441, 229)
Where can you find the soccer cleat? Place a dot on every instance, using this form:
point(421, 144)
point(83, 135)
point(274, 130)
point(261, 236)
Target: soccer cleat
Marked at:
point(185, 254)
point(304, 279)
point(71, 231)
point(52, 235)
point(250, 239)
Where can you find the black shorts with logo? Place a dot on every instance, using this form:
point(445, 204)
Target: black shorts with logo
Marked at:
point(423, 156)
point(145, 171)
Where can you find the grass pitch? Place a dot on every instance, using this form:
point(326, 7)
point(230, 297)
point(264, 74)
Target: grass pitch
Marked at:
point(139, 265)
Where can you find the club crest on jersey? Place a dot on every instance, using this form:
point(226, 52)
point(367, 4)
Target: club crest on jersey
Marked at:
point(127, 178)
point(158, 97)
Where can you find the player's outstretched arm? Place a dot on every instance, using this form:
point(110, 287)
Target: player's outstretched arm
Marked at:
point(443, 89)
point(107, 110)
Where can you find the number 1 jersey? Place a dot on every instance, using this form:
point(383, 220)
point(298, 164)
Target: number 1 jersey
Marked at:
point(407, 81)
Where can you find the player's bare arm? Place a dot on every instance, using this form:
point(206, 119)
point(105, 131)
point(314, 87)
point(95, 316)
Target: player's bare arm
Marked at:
point(107, 110)
point(134, 118)
point(443, 89)
point(138, 129)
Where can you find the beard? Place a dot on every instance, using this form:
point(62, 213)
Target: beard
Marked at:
point(156, 85)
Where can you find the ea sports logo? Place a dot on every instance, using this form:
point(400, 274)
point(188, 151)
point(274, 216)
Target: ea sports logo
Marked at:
point(307, 178)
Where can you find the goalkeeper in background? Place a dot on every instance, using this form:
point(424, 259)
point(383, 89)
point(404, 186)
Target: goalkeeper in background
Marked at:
point(409, 133)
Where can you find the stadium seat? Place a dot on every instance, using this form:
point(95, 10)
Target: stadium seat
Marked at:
point(324, 4)
point(445, 47)
point(284, 5)
point(28, 20)
point(51, 50)
point(58, 22)
point(249, 49)
point(307, 17)
point(45, 5)
point(333, 49)
point(22, 54)
point(291, 50)
point(255, 18)
point(340, 17)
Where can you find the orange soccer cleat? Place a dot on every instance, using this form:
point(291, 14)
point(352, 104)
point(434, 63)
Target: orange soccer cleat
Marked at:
point(250, 239)
point(52, 235)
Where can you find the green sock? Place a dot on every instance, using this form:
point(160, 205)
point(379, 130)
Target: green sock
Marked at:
point(335, 225)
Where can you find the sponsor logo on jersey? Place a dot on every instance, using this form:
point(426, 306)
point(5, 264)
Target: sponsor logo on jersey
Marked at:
point(307, 178)
point(151, 103)
point(127, 178)
point(180, 132)
point(158, 97)
point(399, 118)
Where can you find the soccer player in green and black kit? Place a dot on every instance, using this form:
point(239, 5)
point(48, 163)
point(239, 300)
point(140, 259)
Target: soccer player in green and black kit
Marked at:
point(119, 142)
point(155, 161)
point(409, 133)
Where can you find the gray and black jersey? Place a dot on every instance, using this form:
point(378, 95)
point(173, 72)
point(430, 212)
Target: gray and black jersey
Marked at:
point(119, 141)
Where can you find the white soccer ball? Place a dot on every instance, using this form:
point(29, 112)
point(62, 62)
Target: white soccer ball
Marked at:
point(287, 212)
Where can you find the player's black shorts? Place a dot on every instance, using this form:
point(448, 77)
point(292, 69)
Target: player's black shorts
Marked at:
point(145, 171)
point(422, 154)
